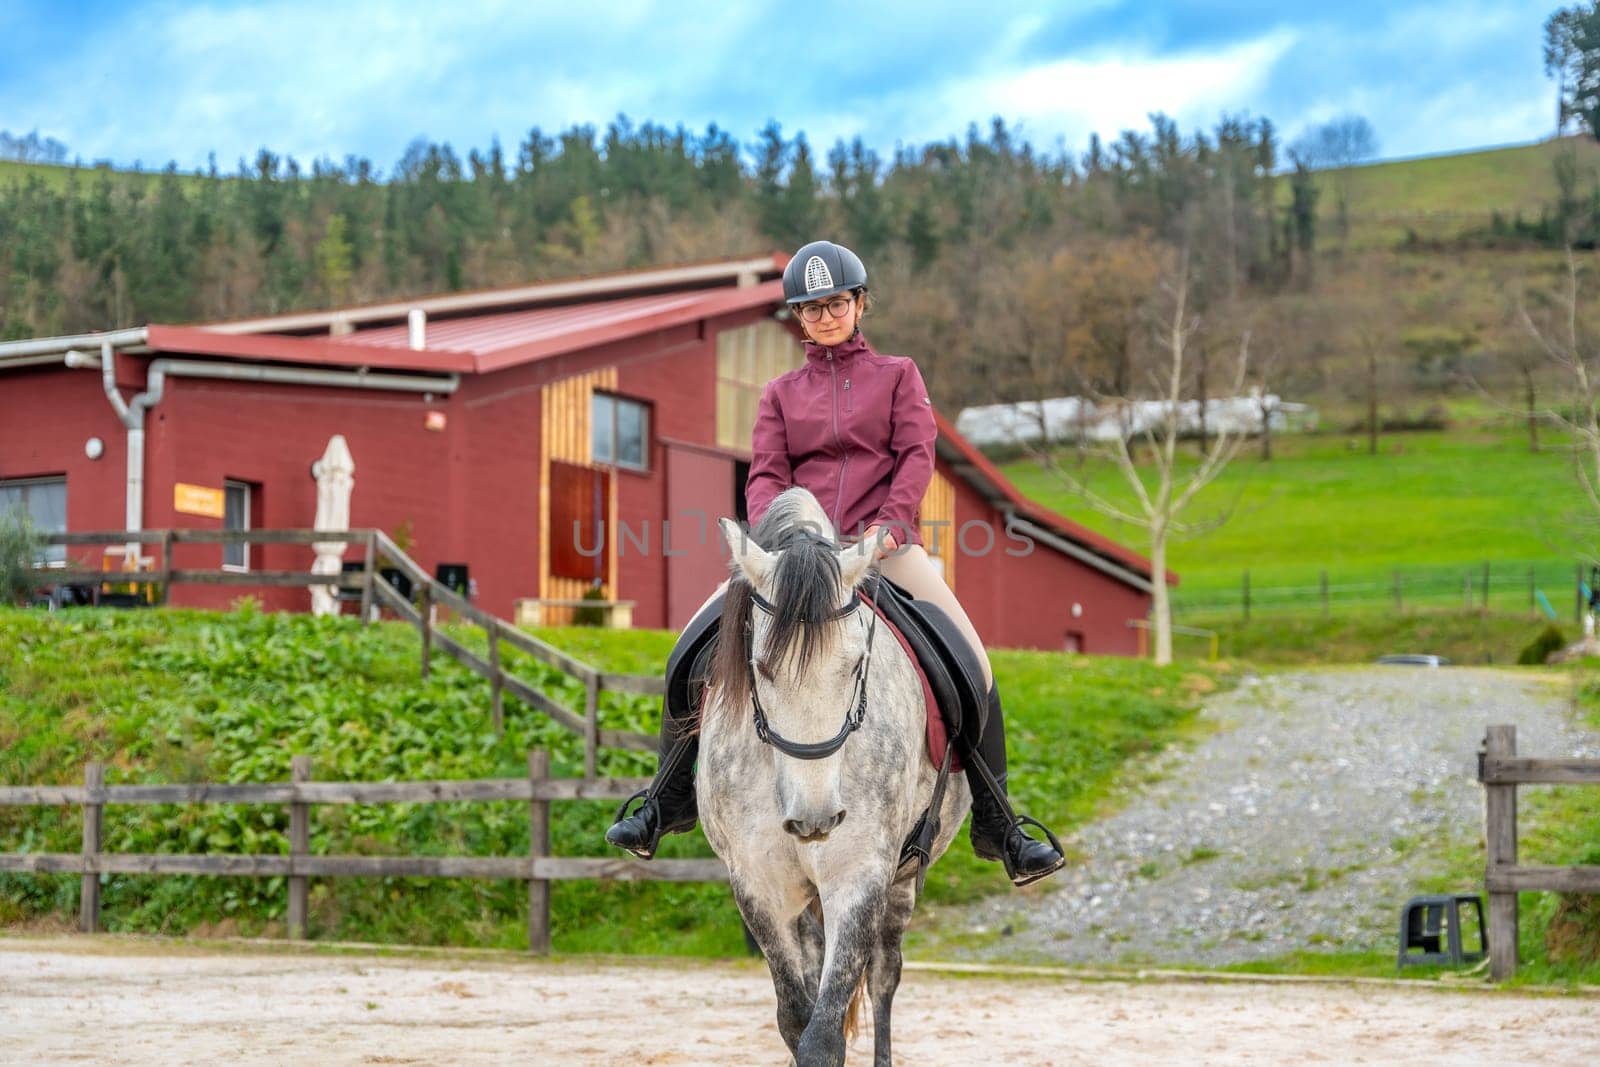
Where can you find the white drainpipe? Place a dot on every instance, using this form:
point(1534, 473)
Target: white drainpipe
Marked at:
point(131, 412)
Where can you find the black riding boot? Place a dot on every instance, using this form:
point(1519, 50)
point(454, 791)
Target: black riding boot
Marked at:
point(996, 830)
point(668, 804)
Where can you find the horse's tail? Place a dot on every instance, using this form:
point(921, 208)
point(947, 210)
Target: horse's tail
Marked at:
point(855, 1016)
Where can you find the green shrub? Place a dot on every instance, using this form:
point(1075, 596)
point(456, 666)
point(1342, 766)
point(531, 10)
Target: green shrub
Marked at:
point(591, 616)
point(20, 546)
point(1573, 935)
point(1538, 650)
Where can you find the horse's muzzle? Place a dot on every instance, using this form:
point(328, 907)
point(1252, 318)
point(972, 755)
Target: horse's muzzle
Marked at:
point(812, 830)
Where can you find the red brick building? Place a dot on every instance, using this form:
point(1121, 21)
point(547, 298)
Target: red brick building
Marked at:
point(551, 437)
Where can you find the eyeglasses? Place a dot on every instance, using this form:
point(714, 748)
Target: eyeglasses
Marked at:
point(838, 307)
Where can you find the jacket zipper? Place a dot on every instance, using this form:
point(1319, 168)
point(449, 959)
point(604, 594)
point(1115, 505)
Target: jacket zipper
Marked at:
point(844, 460)
point(848, 410)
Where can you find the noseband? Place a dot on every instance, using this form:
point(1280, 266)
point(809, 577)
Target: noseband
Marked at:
point(852, 718)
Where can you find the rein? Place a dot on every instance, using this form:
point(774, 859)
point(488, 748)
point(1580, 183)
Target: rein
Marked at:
point(853, 716)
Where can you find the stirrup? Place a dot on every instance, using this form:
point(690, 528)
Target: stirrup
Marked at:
point(1020, 880)
point(645, 797)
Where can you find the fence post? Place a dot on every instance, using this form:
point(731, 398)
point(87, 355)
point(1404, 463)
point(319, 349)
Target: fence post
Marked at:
point(1577, 594)
point(496, 699)
point(538, 848)
point(1246, 591)
point(299, 848)
point(425, 624)
point(368, 567)
point(166, 565)
point(94, 779)
point(1485, 585)
point(591, 724)
point(1500, 807)
point(1324, 594)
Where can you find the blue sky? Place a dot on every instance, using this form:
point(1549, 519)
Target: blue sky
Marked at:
point(160, 80)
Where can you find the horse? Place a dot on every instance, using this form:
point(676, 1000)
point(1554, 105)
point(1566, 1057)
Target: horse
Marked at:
point(811, 828)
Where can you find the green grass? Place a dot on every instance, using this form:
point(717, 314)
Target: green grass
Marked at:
point(1434, 505)
point(171, 695)
point(1464, 637)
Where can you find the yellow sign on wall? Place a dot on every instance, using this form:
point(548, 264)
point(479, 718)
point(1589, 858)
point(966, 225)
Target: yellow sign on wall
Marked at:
point(197, 500)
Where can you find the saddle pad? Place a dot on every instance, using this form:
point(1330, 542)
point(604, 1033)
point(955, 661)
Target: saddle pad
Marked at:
point(951, 664)
point(938, 733)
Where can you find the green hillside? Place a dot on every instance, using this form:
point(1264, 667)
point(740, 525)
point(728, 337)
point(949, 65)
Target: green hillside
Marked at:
point(1440, 196)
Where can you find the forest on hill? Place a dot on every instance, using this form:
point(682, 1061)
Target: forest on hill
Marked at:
point(1009, 272)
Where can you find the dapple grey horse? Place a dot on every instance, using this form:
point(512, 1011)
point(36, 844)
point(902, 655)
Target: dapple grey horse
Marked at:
point(813, 770)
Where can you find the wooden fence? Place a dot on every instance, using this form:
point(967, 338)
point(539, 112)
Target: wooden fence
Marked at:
point(376, 589)
point(538, 868)
point(1501, 771)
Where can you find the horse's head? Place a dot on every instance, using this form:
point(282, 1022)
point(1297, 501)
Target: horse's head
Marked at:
point(794, 644)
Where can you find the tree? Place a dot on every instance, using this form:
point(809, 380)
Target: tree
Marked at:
point(1171, 486)
point(1336, 146)
point(1555, 321)
point(1572, 57)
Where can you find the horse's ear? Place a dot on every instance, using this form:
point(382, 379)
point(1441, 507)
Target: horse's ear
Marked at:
point(749, 558)
point(854, 562)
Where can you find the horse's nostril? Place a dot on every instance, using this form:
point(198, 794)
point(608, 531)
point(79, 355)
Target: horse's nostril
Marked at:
point(806, 830)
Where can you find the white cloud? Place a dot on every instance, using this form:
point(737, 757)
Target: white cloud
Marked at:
point(1070, 98)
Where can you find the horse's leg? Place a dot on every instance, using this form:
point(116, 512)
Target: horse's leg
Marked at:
point(883, 971)
point(783, 946)
point(853, 917)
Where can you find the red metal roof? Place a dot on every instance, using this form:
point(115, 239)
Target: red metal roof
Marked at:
point(477, 344)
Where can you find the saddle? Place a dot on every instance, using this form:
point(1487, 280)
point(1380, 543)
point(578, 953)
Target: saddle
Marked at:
point(951, 672)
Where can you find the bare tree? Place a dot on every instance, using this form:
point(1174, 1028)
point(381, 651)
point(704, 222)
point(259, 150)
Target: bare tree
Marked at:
point(1557, 329)
point(1159, 423)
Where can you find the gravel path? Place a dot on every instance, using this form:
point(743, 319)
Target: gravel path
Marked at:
point(1321, 802)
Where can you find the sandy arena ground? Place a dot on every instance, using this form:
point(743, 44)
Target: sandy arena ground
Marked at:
point(113, 1000)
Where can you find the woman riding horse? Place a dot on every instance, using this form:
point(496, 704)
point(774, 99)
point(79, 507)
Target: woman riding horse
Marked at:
point(856, 428)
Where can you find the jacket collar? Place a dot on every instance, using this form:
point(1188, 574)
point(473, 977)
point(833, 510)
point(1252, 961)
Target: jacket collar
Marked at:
point(842, 352)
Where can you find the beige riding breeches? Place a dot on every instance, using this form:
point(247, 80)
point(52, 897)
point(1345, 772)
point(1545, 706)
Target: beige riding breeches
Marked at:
point(911, 568)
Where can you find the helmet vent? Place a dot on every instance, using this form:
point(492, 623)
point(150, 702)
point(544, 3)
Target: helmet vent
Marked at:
point(817, 275)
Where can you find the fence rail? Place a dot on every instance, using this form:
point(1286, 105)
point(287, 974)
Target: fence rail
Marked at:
point(376, 588)
point(1499, 585)
point(300, 793)
point(1501, 770)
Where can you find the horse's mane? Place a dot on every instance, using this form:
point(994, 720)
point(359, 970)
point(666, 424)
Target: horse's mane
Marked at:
point(804, 586)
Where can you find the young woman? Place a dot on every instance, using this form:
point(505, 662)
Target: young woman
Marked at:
point(855, 428)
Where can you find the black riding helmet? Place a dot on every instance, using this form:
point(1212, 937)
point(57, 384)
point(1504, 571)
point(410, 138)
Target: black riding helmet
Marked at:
point(821, 269)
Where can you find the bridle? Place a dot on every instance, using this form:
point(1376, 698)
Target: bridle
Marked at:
point(858, 708)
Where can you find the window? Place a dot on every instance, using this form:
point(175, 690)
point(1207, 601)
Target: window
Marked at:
point(619, 431)
point(236, 501)
point(44, 501)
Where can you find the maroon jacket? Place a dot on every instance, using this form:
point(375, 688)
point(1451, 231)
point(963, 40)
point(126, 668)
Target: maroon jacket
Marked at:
point(854, 427)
